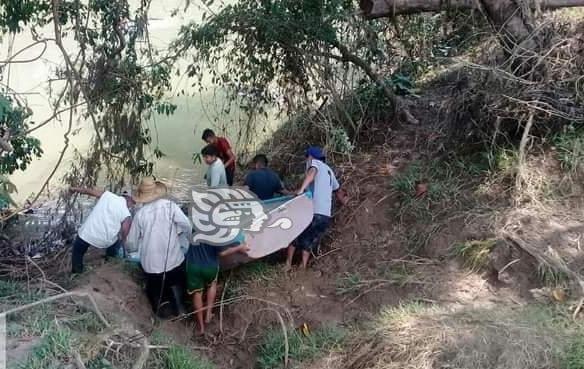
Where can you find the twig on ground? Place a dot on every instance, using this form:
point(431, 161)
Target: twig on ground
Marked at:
point(61, 296)
point(284, 332)
point(327, 253)
point(29, 259)
point(578, 308)
point(143, 355)
point(78, 360)
point(507, 266)
point(367, 291)
point(54, 285)
point(221, 307)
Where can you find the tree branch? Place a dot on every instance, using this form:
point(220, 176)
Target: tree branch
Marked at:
point(389, 8)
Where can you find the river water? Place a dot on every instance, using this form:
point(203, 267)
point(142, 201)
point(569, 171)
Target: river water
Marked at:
point(178, 136)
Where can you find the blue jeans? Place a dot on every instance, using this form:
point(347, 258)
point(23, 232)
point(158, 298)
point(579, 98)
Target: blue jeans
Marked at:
point(80, 248)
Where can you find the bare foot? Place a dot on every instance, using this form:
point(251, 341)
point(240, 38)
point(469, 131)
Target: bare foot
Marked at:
point(209, 318)
point(287, 268)
point(200, 332)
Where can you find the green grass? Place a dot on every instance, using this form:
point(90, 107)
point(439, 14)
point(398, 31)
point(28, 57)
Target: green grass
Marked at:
point(417, 238)
point(533, 336)
point(16, 293)
point(175, 357)
point(348, 283)
point(319, 342)
point(52, 352)
point(573, 355)
point(445, 180)
point(258, 271)
point(354, 282)
point(570, 149)
point(551, 277)
point(178, 357)
point(32, 322)
point(254, 273)
point(85, 321)
point(394, 314)
point(475, 253)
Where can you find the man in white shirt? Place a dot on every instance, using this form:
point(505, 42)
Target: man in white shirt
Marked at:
point(322, 182)
point(156, 233)
point(215, 176)
point(106, 227)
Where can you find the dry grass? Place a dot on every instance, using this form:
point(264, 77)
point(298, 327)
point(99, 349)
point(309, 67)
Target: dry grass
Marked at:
point(415, 336)
point(475, 254)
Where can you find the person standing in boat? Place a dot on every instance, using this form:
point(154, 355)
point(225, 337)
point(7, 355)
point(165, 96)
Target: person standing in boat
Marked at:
point(263, 181)
point(106, 227)
point(224, 152)
point(215, 175)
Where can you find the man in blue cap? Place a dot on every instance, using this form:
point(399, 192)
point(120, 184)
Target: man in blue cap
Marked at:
point(322, 182)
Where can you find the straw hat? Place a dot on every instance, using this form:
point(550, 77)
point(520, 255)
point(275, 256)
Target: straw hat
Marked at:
point(149, 190)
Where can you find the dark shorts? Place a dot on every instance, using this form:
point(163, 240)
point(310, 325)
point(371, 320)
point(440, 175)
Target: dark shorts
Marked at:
point(199, 278)
point(309, 239)
point(229, 174)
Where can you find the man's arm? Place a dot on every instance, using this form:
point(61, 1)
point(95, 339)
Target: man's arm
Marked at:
point(342, 196)
point(310, 175)
point(230, 158)
point(282, 190)
point(95, 192)
point(183, 224)
point(215, 177)
point(125, 230)
point(132, 240)
point(286, 192)
point(243, 248)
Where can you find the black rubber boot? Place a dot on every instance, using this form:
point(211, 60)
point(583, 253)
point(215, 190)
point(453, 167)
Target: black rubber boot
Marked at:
point(177, 299)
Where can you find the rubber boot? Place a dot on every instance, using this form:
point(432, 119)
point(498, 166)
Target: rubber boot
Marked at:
point(177, 299)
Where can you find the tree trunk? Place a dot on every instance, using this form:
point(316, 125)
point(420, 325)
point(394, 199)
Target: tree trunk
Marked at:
point(400, 112)
point(510, 20)
point(388, 8)
point(512, 23)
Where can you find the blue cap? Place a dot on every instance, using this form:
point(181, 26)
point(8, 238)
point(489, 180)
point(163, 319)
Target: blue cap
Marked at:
point(316, 152)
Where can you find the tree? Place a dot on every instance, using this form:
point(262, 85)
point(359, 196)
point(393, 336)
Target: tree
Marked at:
point(111, 78)
point(18, 148)
point(510, 18)
point(258, 47)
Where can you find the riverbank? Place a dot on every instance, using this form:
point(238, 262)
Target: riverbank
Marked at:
point(400, 280)
point(460, 247)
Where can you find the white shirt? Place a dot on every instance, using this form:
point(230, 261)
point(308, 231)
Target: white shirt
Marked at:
point(216, 176)
point(322, 187)
point(155, 233)
point(103, 224)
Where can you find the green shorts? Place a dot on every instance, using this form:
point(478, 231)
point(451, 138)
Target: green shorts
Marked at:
point(198, 278)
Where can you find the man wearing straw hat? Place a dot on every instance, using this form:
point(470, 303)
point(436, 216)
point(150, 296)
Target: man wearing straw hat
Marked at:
point(106, 226)
point(156, 231)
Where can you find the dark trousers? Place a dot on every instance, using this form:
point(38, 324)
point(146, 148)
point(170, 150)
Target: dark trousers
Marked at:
point(229, 174)
point(80, 248)
point(158, 285)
